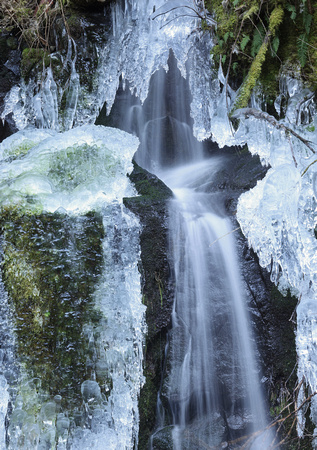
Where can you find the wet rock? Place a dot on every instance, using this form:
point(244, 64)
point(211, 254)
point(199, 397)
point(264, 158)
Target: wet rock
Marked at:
point(151, 207)
point(163, 439)
point(273, 316)
point(10, 57)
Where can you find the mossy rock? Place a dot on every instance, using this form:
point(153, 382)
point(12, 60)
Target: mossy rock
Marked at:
point(12, 43)
point(151, 207)
point(8, 42)
point(33, 59)
point(51, 266)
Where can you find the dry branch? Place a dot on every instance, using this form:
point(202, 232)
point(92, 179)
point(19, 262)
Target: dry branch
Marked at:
point(265, 116)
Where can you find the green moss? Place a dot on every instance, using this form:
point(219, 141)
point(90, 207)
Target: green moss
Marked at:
point(19, 150)
point(21, 275)
point(284, 24)
point(75, 25)
point(227, 22)
point(149, 186)
point(12, 42)
point(250, 12)
point(70, 168)
point(276, 19)
point(310, 71)
point(251, 80)
point(50, 268)
point(255, 70)
point(33, 59)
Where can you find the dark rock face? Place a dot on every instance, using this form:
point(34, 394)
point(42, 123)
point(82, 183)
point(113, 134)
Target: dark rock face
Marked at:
point(90, 5)
point(151, 208)
point(10, 57)
point(272, 315)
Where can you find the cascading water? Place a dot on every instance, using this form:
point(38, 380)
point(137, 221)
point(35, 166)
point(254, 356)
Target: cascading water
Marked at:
point(213, 386)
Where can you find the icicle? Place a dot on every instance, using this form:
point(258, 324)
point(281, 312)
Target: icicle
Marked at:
point(49, 102)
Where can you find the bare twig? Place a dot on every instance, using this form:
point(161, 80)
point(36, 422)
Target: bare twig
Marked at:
point(276, 422)
point(224, 235)
point(249, 439)
point(181, 15)
point(308, 167)
point(178, 7)
point(292, 150)
point(265, 116)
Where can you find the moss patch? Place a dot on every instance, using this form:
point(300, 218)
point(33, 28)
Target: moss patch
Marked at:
point(51, 265)
point(33, 60)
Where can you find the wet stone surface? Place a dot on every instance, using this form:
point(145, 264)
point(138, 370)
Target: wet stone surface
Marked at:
point(51, 265)
point(151, 207)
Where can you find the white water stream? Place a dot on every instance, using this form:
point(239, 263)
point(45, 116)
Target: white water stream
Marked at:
point(214, 388)
point(213, 385)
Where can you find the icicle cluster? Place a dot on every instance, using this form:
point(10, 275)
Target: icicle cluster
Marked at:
point(140, 44)
point(279, 217)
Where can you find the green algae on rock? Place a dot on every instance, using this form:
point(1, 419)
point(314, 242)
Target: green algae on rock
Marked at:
point(51, 265)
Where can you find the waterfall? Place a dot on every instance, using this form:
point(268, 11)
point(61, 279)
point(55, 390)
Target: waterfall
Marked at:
point(212, 387)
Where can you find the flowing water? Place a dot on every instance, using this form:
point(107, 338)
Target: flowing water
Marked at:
point(212, 385)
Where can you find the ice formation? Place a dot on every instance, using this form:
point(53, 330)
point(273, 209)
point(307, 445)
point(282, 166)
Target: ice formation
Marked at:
point(6, 360)
point(140, 44)
point(72, 173)
point(120, 341)
point(78, 170)
point(278, 217)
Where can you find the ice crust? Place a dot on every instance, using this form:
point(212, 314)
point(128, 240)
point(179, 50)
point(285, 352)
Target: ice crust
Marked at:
point(278, 217)
point(77, 170)
point(119, 345)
